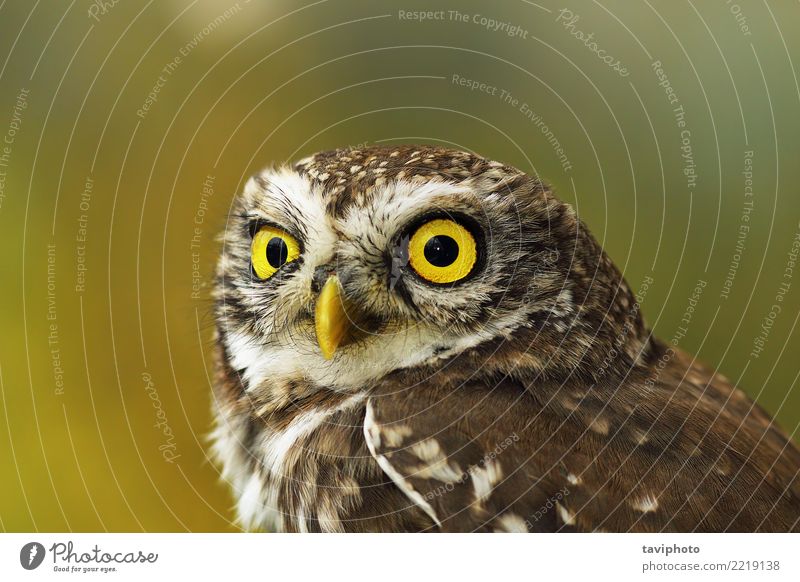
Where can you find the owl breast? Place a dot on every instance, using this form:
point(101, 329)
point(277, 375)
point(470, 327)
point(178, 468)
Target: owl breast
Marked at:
point(303, 465)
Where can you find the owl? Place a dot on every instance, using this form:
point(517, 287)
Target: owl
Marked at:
point(415, 338)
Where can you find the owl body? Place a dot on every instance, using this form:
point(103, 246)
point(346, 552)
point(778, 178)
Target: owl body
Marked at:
point(420, 339)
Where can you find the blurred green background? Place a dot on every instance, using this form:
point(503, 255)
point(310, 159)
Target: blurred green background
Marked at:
point(110, 199)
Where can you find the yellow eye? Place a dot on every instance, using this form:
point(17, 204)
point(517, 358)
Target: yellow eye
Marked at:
point(272, 248)
point(442, 251)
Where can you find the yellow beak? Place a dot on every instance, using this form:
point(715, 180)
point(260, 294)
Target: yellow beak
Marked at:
point(330, 318)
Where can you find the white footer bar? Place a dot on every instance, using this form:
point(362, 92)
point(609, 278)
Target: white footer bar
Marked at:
point(407, 558)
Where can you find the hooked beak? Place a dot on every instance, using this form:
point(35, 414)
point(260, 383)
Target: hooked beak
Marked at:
point(333, 325)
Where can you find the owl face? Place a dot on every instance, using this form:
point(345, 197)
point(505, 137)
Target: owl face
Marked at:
point(353, 264)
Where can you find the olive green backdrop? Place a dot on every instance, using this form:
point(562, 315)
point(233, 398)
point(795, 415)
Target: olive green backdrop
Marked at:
point(127, 128)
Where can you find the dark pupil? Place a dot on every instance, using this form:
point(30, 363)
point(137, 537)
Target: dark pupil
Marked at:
point(441, 250)
point(277, 252)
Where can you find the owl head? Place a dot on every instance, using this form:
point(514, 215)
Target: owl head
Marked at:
point(354, 263)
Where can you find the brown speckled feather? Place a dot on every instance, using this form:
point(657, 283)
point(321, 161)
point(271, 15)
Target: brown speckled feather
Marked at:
point(692, 454)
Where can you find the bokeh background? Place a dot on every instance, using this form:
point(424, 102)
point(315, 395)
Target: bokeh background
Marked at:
point(127, 127)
